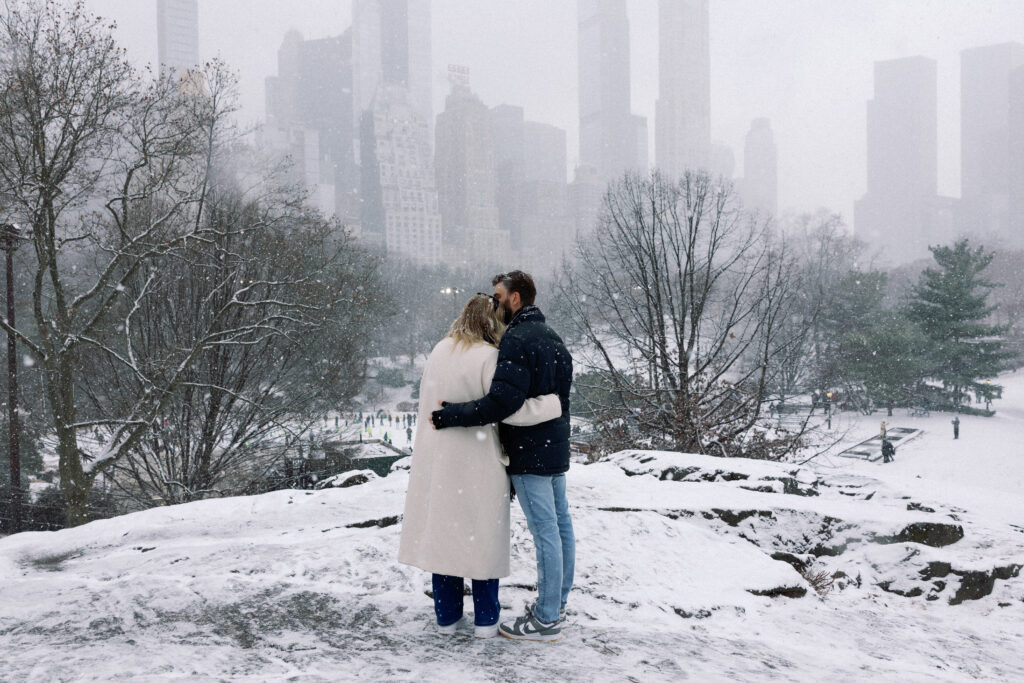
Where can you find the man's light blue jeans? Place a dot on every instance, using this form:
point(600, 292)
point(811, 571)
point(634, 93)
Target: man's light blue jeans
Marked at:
point(543, 500)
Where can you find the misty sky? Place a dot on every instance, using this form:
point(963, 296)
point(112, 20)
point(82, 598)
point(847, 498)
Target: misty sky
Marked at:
point(805, 64)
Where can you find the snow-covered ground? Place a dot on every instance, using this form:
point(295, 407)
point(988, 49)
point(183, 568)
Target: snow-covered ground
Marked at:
point(686, 569)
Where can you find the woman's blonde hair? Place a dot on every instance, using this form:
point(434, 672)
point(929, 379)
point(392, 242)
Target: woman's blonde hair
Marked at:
point(479, 322)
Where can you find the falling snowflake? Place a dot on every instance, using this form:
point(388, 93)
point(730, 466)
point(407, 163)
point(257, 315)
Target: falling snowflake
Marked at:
point(28, 361)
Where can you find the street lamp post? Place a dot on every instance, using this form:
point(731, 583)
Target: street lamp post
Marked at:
point(9, 236)
point(454, 291)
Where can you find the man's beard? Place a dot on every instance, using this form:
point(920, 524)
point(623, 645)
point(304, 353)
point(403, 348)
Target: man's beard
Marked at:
point(506, 314)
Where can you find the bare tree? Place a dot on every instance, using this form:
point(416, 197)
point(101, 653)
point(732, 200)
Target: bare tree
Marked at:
point(823, 254)
point(99, 161)
point(680, 297)
point(299, 351)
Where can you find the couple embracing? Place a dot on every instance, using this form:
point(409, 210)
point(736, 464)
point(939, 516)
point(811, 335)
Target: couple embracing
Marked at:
point(496, 394)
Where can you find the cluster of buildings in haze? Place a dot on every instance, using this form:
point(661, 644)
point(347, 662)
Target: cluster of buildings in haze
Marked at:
point(475, 183)
point(902, 210)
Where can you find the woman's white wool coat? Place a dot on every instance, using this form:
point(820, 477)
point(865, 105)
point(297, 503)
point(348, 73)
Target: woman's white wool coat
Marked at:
point(456, 518)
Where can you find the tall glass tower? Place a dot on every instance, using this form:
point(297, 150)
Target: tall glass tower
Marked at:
point(683, 110)
point(177, 34)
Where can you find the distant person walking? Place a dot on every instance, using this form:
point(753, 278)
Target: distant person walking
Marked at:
point(956, 427)
point(888, 451)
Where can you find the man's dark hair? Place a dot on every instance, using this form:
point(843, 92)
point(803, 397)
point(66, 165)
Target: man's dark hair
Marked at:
point(518, 281)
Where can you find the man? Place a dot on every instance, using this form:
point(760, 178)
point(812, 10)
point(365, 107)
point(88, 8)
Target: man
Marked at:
point(956, 426)
point(888, 451)
point(532, 361)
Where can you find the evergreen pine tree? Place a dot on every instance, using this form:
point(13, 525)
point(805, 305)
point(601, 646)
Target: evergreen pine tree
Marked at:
point(852, 306)
point(889, 355)
point(950, 304)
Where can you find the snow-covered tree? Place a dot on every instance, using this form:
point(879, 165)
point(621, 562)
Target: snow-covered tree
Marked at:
point(679, 297)
point(887, 354)
point(117, 174)
point(853, 329)
point(824, 255)
point(295, 352)
point(950, 304)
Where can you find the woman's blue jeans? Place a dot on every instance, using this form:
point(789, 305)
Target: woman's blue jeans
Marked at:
point(546, 507)
point(449, 592)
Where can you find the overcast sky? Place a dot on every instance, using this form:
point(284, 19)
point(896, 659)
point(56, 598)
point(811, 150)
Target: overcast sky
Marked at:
point(805, 64)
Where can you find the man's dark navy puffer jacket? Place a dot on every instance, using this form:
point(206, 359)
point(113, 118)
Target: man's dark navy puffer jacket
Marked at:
point(532, 361)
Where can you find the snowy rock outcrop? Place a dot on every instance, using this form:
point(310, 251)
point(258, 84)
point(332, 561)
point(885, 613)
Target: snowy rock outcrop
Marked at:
point(852, 527)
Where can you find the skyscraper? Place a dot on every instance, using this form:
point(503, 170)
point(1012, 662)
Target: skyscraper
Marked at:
point(507, 125)
point(391, 44)
point(544, 155)
point(760, 186)
point(610, 136)
point(307, 167)
point(641, 155)
point(532, 200)
point(177, 34)
point(1016, 236)
point(547, 225)
point(682, 134)
point(899, 210)
point(309, 102)
point(585, 193)
point(721, 161)
point(464, 165)
point(400, 202)
point(986, 137)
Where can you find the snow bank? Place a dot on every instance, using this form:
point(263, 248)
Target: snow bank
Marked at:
point(684, 565)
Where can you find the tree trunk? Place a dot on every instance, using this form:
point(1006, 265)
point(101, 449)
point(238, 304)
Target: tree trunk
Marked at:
point(75, 483)
point(76, 501)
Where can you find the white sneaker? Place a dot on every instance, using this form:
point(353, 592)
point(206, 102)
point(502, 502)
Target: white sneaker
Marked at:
point(450, 629)
point(486, 631)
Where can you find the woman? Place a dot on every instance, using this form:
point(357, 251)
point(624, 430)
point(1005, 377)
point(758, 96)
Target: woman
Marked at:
point(456, 522)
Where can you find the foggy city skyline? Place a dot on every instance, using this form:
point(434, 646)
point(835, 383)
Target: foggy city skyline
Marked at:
point(814, 91)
